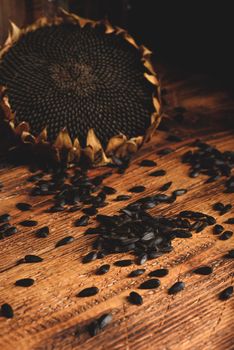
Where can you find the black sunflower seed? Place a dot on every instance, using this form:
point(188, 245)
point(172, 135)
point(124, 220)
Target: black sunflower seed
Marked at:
point(89, 257)
point(226, 293)
point(217, 229)
point(153, 255)
point(42, 232)
point(123, 263)
point(32, 258)
point(179, 192)
point(109, 190)
point(147, 163)
point(23, 206)
point(166, 186)
point(194, 174)
point(28, 223)
point(142, 259)
point(64, 241)
point(101, 255)
point(104, 320)
point(135, 298)
point(137, 189)
point(174, 138)
point(212, 178)
point(75, 208)
point(229, 221)
point(91, 211)
point(182, 233)
point(159, 273)
point(230, 254)
point(7, 311)
point(56, 209)
point(93, 328)
point(158, 173)
point(176, 288)
point(210, 220)
point(203, 270)
point(165, 151)
point(218, 206)
point(82, 221)
point(201, 227)
point(88, 292)
point(103, 269)
point(5, 218)
point(150, 284)
point(10, 231)
point(136, 273)
point(5, 226)
point(226, 209)
point(122, 197)
point(25, 282)
point(225, 235)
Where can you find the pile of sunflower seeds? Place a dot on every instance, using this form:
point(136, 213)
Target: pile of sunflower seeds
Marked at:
point(208, 160)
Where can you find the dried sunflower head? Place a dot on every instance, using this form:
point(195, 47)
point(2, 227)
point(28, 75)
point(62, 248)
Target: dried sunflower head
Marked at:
point(78, 86)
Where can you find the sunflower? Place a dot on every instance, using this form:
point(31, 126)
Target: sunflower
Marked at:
point(78, 87)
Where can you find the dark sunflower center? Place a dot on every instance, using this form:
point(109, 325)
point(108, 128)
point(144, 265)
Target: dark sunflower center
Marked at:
point(79, 78)
point(74, 77)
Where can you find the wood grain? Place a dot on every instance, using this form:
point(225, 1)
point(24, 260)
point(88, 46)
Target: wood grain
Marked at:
point(48, 315)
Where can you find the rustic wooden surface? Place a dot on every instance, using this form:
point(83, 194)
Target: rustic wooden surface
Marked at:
point(48, 314)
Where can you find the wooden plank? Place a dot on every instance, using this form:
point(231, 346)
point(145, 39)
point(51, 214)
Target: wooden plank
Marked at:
point(48, 314)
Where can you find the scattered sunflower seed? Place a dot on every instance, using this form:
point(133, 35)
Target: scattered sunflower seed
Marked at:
point(135, 298)
point(123, 263)
point(122, 197)
point(148, 163)
point(165, 151)
point(230, 254)
point(226, 293)
point(25, 282)
point(217, 229)
point(7, 311)
point(166, 186)
point(88, 292)
point(137, 189)
point(203, 270)
point(174, 138)
point(82, 221)
point(64, 241)
point(150, 284)
point(109, 190)
point(42, 232)
point(176, 288)
point(158, 173)
point(89, 257)
point(32, 258)
point(23, 206)
point(28, 223)
point(180, 192)
point(10, 231)
point(225, 235)
point(229, 221)
point(136, 273)
point(5, 218)
point(103, 269)
point(159, 273)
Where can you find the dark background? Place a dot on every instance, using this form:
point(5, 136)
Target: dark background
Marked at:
point(194, 36)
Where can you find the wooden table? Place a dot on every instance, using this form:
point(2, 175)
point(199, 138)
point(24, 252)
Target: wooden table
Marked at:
point(48, 314)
